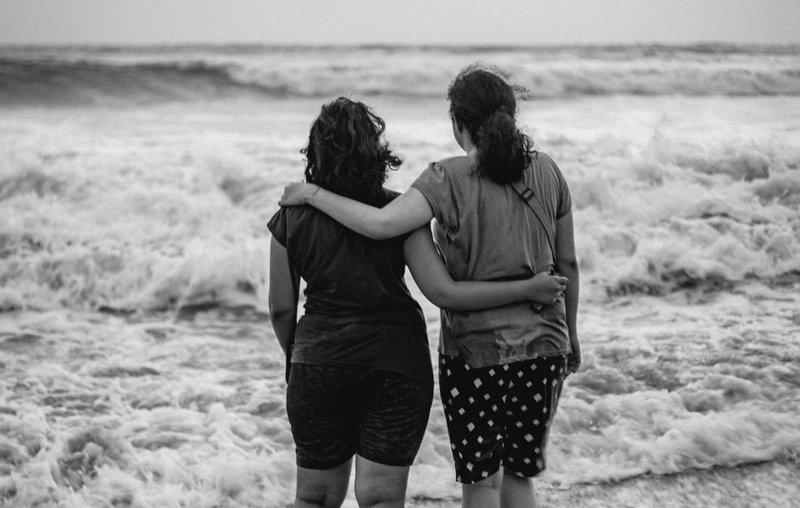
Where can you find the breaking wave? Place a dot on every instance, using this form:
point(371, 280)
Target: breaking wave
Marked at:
point(51, 76)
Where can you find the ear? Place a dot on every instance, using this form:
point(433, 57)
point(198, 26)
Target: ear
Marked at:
point(456, 131)
point(456, 125)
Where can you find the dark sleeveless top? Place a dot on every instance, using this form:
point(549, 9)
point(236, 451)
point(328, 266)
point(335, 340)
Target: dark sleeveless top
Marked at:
point(358, 310)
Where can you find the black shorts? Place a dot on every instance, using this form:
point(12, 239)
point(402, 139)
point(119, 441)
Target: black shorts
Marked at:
point(499, 415)
point(338, 411)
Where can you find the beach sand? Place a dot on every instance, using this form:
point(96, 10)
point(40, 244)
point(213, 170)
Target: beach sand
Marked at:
point(768, 485)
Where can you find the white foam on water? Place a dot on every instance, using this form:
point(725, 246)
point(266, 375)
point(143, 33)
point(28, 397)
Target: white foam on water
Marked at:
point(171, 413)
point(687, 222)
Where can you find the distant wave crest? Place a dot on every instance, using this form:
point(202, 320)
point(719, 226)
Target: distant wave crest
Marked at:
point(54, 82)
point(59, 77)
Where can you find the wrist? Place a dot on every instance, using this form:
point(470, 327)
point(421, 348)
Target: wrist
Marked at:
point(311, 200)
point(524, 290)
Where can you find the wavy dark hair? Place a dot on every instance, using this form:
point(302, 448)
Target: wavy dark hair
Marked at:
point(346, 153)
point(484, 101)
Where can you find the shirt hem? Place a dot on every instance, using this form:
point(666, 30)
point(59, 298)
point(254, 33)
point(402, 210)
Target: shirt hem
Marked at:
point(506, 360)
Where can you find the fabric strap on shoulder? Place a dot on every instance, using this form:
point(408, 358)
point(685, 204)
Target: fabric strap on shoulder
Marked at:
point(529, 198)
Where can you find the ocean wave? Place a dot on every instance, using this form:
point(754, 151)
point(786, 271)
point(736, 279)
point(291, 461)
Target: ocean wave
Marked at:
point(157, 250)
point(110, 75)
point(29, 181)
point(58, 82)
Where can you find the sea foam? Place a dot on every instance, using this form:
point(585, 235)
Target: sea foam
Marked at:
point(138, 366)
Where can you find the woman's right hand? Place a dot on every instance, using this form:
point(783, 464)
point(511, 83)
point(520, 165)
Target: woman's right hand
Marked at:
point(296, 194)
point(545, 288)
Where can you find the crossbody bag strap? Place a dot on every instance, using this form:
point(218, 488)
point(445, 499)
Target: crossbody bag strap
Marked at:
point(529, 198)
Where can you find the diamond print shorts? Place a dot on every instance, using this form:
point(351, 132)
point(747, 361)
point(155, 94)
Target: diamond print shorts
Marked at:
point(499, 415)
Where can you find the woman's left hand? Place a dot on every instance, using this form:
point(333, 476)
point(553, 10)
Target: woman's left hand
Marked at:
point(546, 288)
point(296, 194)
point(574, 357)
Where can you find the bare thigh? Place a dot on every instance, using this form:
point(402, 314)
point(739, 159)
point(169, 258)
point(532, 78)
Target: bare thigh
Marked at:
point(322, 487)
point(379, 485)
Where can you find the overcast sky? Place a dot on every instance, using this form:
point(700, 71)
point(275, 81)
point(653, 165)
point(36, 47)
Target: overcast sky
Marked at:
point(398, 21)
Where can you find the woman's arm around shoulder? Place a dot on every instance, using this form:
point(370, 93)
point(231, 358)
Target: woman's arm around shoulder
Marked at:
point(407, 212)
point(438, 286)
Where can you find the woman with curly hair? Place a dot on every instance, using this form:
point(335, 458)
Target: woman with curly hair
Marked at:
point(360, 381)
point(502, 210)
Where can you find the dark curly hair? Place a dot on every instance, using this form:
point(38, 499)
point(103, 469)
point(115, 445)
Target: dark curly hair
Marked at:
point(483, 101)
point(346, 153)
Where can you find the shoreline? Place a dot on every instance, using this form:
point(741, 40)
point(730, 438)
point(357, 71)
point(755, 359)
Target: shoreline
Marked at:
point(763, 484)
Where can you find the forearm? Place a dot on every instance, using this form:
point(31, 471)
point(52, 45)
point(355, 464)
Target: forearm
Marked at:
point(474, 295)
point(284, 325)
point(282, 300)
point(571, 296)
point(364, 219)
point(438, 286)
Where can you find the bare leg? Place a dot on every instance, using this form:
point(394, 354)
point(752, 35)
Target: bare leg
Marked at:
point(516, 492)
point(380, 486)
point(483, 494)
point(322, 488)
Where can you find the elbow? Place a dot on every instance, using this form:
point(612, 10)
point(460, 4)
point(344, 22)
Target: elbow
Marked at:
point(281, 318)
point(380, 229)
point(383, 225)
point(382, 236)
point(440, 300)
point(439, 297)
point(281, 313)
point(568, 264)
point(447, 299)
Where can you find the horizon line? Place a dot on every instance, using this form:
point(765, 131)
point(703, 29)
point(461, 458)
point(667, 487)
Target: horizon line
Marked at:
point(384, 45)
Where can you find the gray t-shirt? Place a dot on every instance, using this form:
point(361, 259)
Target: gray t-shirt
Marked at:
point(486, 232)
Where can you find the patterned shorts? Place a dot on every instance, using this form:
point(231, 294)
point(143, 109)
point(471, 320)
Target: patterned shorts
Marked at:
point(499, 415)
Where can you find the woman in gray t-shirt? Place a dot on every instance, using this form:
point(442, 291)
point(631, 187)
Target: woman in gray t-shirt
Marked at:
point(500, 369)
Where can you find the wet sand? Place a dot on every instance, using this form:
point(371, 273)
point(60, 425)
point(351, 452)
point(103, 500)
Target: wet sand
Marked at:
point(770, 484)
